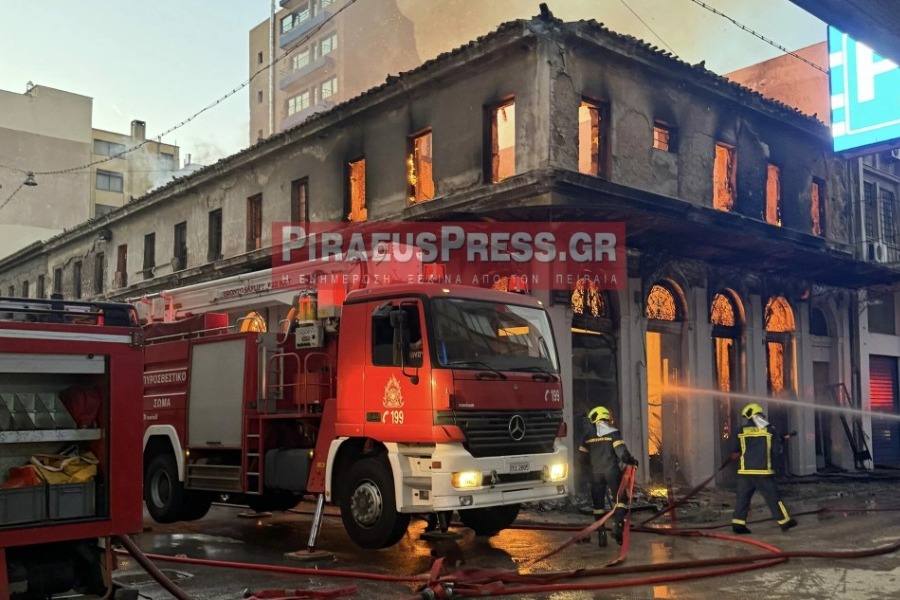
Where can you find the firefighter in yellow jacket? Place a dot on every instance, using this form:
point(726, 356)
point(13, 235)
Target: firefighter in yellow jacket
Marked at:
point(603, 448)
point(753, 445)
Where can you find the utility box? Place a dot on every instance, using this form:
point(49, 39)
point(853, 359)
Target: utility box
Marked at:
point(23, 505)
point(71, 500)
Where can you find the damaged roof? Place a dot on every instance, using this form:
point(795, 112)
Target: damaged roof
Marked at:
point(543, 25)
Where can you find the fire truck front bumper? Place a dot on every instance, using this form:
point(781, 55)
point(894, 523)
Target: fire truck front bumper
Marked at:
point(459, 481)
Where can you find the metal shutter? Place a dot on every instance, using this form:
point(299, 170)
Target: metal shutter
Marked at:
point(883, 398)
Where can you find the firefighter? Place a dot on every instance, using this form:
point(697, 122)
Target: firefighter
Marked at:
point(753, 445)
point(602, 449)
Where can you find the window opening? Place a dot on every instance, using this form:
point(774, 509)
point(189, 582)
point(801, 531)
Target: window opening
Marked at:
point(110, 181)
point(214, 241)
point(773, 195)
point(662, 304)
point(503, 141)
point(587, 299)
point(76, 277)
point(254, 222)
point(122, 266)
point(724, 177)
point(419, 175)
point(180, 250)
point(300, 200)
point(99, 273)
point(149, 254)
point(817, 207)
point(298, 103)
point(357, 190)
point(888, 218)
point(589, 138)
point(664, 137)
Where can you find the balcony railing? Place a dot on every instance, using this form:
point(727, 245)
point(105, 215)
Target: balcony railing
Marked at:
point(324, 63)
point(299, 117)
point(294, 34)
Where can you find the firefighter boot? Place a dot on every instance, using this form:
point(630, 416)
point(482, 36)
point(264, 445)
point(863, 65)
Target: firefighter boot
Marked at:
point(618, 529)
point(742, 529)
point(789, 524)
point(601, 539)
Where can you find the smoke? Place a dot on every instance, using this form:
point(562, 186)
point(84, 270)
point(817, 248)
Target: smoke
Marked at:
point(693, 33)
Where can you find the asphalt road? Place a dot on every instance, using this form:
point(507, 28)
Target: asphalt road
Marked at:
point(225, 536)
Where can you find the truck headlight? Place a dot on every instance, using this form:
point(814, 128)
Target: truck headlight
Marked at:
point(556, 472)
point(466, 479)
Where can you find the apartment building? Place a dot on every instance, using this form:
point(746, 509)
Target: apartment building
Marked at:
point(322, 53)
point(126, 166)
point(742, 261)
point(48, 132)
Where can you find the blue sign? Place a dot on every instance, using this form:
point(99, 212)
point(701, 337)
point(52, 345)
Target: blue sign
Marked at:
point(865, 94)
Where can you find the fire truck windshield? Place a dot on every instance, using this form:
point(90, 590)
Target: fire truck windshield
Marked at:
point(475, 334)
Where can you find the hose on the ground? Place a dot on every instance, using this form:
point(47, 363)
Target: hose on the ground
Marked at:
point(143, 560)
point(496, 582)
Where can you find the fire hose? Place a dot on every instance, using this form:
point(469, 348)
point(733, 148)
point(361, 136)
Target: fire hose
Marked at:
point(498, 582)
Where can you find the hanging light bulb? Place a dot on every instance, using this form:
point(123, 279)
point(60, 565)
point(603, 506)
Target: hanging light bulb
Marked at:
point(29, 179)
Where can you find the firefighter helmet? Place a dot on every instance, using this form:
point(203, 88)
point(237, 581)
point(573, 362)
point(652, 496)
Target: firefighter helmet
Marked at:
point(751, 410)
point(599, 413)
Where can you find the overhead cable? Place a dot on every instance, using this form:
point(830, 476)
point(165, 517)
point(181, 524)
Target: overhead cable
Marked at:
point(302, 40)
point(759, 35)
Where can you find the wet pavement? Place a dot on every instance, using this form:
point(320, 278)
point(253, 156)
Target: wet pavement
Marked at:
point(225, 536)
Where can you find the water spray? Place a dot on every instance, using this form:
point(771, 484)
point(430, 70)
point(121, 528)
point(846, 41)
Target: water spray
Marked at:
point(676, 389)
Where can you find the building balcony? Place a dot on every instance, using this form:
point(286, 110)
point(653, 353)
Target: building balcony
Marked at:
point(325, 64)
point(299, 117)
point(305, 27)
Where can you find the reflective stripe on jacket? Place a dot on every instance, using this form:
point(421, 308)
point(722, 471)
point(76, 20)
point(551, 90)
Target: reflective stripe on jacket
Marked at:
point(605, 451)
point(755, 446)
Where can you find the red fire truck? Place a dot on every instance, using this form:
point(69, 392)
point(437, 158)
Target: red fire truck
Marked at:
point(388, 401)
point(69, 371)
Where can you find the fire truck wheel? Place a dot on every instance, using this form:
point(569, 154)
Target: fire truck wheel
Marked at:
point(368, 505)
point(489, 521)
point(163, 493)
point(196, 505)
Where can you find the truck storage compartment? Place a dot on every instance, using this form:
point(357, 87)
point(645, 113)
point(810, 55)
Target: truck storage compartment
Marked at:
point(71, 500)
point(23, 505)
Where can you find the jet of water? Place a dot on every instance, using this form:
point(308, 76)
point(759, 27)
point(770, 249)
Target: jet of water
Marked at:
point(693, 392)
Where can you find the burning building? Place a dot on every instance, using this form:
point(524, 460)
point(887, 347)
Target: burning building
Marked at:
point(741, 261)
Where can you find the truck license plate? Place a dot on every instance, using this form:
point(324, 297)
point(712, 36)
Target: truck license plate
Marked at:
point(523, 467)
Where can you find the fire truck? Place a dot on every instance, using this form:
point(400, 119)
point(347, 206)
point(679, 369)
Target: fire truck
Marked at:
point(387, 400)
point(70, 425)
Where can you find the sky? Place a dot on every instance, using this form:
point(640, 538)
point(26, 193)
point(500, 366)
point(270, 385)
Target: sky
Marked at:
point(163, 61)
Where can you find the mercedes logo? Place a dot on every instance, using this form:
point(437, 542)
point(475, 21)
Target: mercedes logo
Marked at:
point(517, 428)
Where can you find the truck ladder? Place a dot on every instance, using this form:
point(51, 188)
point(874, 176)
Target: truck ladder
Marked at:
point(855, 436)
point(252, 464)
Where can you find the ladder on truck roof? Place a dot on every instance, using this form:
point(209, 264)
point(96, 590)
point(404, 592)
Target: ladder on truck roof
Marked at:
point(73, 312)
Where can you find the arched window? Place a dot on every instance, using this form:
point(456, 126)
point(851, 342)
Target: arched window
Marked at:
point(818, 325)
point(722, 311)
point(779, 316)
point(663, 304)
point(726, 316)
point(588, 299)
